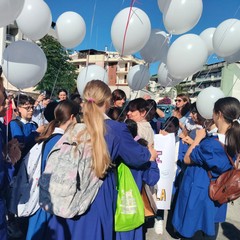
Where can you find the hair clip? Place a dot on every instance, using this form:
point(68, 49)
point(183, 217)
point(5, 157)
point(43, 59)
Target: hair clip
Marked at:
point(91, 100)
point(236, 120)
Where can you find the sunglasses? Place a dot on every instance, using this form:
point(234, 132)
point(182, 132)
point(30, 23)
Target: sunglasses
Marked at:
point(178, 100)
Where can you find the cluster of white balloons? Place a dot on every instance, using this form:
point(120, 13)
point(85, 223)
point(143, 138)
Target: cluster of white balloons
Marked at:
point(131, 32)
point(24, 63)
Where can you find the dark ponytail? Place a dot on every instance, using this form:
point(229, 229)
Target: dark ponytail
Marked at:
point(230, 109)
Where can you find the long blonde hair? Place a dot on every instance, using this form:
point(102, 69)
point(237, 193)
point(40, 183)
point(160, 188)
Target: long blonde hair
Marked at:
point(96, 95)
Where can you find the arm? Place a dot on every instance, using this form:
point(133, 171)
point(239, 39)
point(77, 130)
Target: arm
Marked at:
point(152, 175)
point(121, 144)
point(200, 134)
point(160, 113)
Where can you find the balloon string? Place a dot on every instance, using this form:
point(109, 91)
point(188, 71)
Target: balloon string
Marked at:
point(54, 84)
point(93, 17)
point(125, 32)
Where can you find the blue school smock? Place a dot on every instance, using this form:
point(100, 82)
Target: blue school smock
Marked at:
point(97, 223)
point(38, 222)
point(194, 209)
point(3, 175)
point(150, 176)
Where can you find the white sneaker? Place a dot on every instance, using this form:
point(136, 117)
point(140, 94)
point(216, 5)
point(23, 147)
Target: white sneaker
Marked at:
point(158, 226)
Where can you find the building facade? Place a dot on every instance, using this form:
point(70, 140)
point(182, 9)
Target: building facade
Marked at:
point(222, 75)
point(117, 66)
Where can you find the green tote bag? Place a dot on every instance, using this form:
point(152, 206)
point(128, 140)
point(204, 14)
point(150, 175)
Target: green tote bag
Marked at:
point(130, 208)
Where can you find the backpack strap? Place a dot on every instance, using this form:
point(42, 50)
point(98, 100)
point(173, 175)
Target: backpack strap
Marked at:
point(48, 139)
point(235, 165)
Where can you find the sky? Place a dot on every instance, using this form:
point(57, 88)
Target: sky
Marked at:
point(99, 14)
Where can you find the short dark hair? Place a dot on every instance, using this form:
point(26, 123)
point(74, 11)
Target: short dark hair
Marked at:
point(62, 90)
point(118, 94)
point(137, 104)
point(22, 99)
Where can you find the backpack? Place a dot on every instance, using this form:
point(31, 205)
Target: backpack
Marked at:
point(226, 187)
point(23, 192)
point(68, 184)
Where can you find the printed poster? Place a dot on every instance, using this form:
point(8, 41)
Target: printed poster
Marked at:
point(165, 146)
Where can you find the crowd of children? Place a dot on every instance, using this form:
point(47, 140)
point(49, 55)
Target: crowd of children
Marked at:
point(120, 132)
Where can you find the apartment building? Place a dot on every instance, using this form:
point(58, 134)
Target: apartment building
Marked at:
point(117, 66)
point(222, 75)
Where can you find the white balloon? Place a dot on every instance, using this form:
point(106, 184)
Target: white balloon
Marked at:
point(161, 4)
point(181, 16)
point(26, 21)
point(70, 29)
point(87, 74)
point(156, 48)
point(137, 31)
point(138, 77)
point(206, 100)
point(24, 64)
point(186, 56)
point(9, 11)
point(233, 58)
point(207, 37)
point(226, 39)
point(163, 74)
point(164, 78)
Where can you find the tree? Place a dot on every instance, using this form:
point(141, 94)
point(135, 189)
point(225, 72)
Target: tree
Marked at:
point(60, 72)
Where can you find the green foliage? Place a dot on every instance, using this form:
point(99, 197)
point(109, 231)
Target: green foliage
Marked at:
point(60, 72)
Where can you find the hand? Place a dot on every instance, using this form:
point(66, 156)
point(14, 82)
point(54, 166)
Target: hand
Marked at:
point(13, 151)
point(153, 152)
point(187, 140)
point(40, 129)
point(163, 132)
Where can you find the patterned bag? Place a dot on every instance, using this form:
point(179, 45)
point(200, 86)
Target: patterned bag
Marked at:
point(68, 185)
point(23, 192)
point(130, 208)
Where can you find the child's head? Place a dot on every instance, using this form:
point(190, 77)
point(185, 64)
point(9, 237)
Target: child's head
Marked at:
point(171, 125)
point(195, 115)
point(117, 114)
point(24, 105)
point(132, 127)
point(151, 109)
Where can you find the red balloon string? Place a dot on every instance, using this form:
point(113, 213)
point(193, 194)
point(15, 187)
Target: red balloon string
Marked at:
point(125, 32)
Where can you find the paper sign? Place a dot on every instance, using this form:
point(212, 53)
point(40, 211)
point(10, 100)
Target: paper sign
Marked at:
point(165, 146)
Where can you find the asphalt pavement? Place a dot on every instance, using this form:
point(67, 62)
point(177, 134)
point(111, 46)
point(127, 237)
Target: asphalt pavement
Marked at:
point(228, 230)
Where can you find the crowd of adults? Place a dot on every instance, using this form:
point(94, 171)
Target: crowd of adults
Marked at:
point(120, 131)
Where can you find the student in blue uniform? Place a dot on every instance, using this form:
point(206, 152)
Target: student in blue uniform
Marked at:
point(196, 216)
point(98, 221)
point(149, 176)
point(6, 167)
point(65, 113)
point(23, 128)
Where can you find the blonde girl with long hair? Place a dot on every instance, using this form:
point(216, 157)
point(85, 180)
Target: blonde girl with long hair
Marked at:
point(109, 140)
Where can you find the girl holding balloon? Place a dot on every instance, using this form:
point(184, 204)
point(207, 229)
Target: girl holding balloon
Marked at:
point(196, 216)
